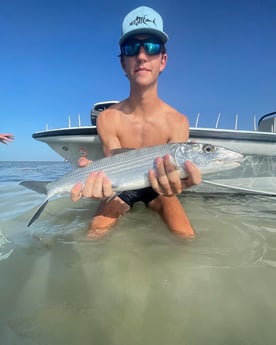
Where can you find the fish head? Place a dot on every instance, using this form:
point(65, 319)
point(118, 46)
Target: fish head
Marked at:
point(207, 157)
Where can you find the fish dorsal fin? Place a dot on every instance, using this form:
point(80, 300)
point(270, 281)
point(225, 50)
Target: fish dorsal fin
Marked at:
point(120, 150)
point(38, 186)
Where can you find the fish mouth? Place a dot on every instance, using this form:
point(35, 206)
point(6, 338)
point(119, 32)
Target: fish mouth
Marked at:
point(237, 161)
point(240, 159)
point(234, 157)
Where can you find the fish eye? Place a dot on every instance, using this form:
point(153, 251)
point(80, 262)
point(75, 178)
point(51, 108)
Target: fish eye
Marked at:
point(208, 148)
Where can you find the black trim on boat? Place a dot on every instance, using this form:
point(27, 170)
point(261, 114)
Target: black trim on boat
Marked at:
point(66, 131)
point(233, 135)
point(266, 115)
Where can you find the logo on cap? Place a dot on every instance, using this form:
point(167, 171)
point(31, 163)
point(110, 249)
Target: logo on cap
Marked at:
point(142, 20)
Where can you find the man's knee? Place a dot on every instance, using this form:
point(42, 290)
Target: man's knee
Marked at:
point(113, 208)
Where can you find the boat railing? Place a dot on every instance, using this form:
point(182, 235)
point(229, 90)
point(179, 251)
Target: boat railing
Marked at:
point(265, 124)
point(218, 120)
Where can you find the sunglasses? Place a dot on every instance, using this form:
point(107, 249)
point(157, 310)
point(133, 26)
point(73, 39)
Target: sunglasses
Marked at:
point(132, 47)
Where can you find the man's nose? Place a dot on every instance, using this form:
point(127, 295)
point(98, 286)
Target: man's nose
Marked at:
point(142, 53)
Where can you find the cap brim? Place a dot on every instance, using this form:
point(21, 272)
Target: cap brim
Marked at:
point(146, 31)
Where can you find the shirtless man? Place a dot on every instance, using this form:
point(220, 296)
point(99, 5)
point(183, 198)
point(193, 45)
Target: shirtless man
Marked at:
point(142, 119)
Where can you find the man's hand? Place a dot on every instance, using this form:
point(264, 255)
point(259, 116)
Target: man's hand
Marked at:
point(97, 185)
point(167, 181)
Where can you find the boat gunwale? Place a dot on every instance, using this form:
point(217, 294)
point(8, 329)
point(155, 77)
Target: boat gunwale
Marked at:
point(212, 133)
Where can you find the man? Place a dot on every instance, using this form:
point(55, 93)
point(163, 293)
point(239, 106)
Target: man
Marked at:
point(142, 119)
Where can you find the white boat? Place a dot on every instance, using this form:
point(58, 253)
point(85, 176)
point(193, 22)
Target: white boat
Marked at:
point(256, 175)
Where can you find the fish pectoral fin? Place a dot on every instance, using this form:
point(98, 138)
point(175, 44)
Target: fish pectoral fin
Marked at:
point(38, 186)
point(120, 150)
point(112, 197)
point(38, 212)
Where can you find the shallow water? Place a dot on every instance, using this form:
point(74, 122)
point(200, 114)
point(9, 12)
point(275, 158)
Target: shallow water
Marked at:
point(140, 284)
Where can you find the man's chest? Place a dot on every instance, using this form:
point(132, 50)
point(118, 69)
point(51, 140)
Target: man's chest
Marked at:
point(140, 134)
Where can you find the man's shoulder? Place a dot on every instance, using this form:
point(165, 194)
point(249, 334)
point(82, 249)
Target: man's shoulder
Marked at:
point(177, 125)
point(116, 107)
point(173, 113)
point(111, 112)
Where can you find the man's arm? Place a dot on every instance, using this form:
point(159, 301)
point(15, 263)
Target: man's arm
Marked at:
point(106, 128)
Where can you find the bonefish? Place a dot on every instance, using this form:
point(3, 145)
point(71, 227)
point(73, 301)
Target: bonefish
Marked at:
point(128, 170)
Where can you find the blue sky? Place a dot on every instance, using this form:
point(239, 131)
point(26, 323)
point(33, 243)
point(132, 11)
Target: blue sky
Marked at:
point(60, 57)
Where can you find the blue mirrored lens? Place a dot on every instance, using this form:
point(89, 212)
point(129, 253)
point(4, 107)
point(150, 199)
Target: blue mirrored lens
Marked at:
point(152, 48)
point(131, 49)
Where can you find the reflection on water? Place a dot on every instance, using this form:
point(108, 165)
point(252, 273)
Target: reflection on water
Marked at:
point(140, 284)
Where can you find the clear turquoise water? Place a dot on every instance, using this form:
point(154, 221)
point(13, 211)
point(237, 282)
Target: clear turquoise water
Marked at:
point(140, 284)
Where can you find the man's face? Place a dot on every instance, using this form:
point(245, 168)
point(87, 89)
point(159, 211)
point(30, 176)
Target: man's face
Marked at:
point(148, 61)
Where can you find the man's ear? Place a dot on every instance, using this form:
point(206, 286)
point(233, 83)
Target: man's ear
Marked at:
point(123, 64)
point(164, 59)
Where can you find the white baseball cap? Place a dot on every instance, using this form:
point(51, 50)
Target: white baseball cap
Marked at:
point(143, 20)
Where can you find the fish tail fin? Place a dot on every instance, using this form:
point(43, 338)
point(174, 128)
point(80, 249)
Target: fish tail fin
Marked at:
point(38, 212)
point(38, 186)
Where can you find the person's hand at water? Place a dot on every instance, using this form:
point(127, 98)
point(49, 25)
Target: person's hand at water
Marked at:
point(97, 185)
point(6, 138)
